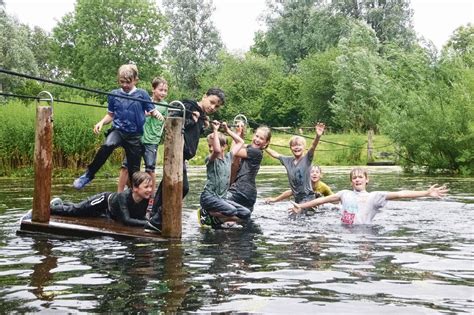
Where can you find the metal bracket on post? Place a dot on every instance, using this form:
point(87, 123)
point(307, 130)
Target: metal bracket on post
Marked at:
point(240, 117)
point(183, 108)
point(50, 99)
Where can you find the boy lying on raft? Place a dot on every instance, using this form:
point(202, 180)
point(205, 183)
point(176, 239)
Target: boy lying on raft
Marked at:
point(128, 207)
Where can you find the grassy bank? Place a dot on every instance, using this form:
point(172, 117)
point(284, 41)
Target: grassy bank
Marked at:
point(74, 143)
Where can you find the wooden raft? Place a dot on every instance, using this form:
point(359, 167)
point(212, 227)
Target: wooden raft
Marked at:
point(85, 227)
point(39, 220)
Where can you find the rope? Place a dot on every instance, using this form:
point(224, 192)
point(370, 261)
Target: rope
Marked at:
point(55, 100)
point(78, 87)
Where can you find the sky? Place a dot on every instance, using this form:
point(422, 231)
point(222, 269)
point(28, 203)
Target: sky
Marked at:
point(237, 20)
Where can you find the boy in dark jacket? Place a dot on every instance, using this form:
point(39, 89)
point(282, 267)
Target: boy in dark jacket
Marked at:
point(127, 207)
point(194, 125)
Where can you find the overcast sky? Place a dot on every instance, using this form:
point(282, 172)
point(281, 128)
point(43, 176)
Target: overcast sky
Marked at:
point(237, 20)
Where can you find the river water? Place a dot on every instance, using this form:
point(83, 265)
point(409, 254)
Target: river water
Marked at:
point(417, 257)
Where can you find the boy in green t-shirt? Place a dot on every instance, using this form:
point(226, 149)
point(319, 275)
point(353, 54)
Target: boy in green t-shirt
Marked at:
point(152, 133)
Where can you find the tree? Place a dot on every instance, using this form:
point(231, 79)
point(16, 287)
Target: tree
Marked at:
point(99, 36)
point(298, 28)
point(193, 42)
point(244, 80)
point(40, 43)
point(390, 19)
point(316, 73)
point(360, 83)
point(15, 54)
point(461, 44)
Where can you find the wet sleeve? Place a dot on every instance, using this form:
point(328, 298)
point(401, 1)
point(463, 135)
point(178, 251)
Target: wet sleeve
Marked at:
point(378, 199)
point(123, 215)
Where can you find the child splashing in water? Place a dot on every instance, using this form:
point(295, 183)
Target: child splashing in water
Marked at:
point(360, 206)
point(298, 166)
point(319, 187)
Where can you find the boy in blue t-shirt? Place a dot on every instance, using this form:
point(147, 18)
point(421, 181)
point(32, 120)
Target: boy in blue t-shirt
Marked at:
point(127, 117)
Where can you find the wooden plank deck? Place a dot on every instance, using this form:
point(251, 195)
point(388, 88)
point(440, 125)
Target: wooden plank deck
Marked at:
point(86, 227)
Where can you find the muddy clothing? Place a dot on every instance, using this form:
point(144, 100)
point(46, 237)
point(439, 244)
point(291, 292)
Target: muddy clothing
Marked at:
point(244, 190)
point(299, 176)
point(118, 206)
point(217, 184)
point(360, 207)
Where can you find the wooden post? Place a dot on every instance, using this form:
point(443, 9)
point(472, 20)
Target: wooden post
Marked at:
point(173, 178)
point(370, 135)
point(43, 163)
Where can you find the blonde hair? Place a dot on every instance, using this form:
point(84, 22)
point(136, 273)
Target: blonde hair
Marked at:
point(128, 72)
point(295, 139)
point(267, 132)
point(358, 171)
point(221, 136)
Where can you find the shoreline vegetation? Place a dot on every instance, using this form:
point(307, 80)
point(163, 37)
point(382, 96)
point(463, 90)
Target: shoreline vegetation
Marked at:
point(74, 143)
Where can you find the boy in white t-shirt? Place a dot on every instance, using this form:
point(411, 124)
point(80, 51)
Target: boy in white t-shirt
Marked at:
point(360, 206)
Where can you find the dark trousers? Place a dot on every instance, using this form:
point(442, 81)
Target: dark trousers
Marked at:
point(115, 138)
point(156, 213)
point(229, 208)
point(94, 206)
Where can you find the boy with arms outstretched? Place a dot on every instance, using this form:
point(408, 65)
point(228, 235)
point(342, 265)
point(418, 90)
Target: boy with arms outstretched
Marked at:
point(127, 117)
point(360, 206)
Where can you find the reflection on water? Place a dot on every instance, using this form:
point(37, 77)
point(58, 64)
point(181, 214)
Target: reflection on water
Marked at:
point(417, 258)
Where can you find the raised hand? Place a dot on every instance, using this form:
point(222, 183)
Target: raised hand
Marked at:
point(320, 128)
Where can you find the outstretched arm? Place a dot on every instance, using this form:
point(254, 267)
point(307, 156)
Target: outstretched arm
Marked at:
point(284, 195)
point(297, 207)
point(319, 132)
point(272, 153)
point(434, 191)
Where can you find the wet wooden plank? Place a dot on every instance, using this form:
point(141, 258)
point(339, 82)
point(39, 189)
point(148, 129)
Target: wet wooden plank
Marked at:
point(86, 227)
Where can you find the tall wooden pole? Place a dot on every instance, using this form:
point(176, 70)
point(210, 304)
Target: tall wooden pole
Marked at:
point(173, 178)
point(43, 163)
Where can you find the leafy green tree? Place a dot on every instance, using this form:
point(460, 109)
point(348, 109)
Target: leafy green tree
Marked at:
point(432, 99)
point(99, 36)
point(15, 54)
point(298, 28)
point(317, 87)
point(390, 19)
point(244, 80)
point(40, 43)
point(193, 42)
point(360, 83)
point(281, 101)
point(461, 44)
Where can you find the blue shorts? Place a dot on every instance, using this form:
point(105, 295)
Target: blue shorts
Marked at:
point(149, 157)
